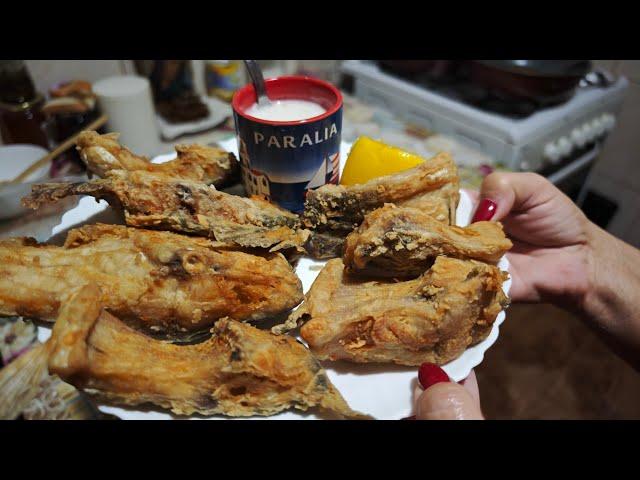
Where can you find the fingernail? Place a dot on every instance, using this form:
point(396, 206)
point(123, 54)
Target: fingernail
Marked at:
point(430, 374)
point(486, 210)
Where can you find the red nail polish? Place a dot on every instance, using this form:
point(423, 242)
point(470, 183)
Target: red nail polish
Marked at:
point(485, 211)
point(430, 374)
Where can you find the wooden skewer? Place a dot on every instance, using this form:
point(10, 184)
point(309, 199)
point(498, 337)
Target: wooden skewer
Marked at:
point(97, 123)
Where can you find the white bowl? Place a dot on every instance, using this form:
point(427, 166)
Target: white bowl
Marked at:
point(15, 159)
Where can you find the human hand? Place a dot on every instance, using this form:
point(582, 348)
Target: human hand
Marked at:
point(559, 256)
point(550, 257)
point(438, 398)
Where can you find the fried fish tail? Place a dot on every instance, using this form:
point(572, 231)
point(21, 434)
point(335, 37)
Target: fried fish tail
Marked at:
point(240, 371)
point(44, 193)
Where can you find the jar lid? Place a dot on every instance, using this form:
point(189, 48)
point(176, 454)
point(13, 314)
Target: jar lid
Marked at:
point(20, 107)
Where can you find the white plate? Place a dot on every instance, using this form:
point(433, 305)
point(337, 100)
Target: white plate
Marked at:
point(218, 113)
point(383, 391)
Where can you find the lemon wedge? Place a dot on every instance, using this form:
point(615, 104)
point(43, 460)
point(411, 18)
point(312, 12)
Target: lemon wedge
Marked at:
point(370, 158)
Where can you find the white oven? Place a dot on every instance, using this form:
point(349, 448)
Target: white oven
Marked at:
point(559, 142)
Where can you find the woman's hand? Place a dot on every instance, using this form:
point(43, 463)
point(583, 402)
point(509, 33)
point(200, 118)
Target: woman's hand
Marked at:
point(559, 256)
point(438, 398)
point(550, 235)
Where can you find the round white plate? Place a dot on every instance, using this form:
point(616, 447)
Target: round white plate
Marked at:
point(383, 391)
point(219, 111)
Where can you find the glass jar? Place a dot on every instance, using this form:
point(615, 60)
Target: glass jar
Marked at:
point(23, 122)
point(21, 119)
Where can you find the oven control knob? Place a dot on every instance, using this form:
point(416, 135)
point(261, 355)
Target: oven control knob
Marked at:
point(565, 146)
point(589, 132)
point(578, 137)
point(552, 152)
point(610, 122)
point(598, 127)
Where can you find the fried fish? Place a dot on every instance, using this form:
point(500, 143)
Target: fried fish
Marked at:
point(198, 163)
point(239, 371)
point(402, 242)
point(333, 211)
point(433, 318)
point(166, 203)
point(164, 282)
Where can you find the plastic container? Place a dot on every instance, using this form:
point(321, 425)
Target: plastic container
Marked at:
point(223, 78)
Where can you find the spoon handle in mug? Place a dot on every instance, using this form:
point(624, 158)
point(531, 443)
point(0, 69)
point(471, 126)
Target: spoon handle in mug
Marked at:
point(258, 81)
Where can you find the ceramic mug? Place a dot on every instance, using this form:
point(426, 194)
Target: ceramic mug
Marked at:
point(282, 160)
point(127, 100)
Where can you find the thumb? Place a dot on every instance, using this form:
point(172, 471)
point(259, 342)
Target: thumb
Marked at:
point(502, 193)
point(443, 399)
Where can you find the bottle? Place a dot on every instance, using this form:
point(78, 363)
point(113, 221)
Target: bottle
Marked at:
point(21, 119)
point(223, 78)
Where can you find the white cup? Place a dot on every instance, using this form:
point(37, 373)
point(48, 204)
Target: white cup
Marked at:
point(127, 100)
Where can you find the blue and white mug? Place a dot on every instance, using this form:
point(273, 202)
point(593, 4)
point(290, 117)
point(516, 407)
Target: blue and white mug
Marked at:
point(282, 160)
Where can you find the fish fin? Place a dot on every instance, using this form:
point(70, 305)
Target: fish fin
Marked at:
point(76, 318)
point(293, 321)
point(334, 402)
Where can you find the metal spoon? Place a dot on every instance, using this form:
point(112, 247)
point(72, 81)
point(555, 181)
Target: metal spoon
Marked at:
point(258, 82)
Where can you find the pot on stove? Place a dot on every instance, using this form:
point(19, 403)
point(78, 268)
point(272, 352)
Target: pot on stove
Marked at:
point(541, 82)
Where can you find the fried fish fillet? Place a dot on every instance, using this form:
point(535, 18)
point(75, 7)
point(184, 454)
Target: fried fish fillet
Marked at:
point(198, 163)
point(164, 282)
point(239, 371)
point(166, 203)
point(402, 242)
point(433, 318)
point(333, 211)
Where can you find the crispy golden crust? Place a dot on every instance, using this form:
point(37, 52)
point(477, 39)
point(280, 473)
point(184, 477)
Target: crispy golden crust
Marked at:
point(239, 371)
point(199, 163)
point(165, 282)
point(432, 187)
point(433, 318)
point(402, 242)
point(165, 203)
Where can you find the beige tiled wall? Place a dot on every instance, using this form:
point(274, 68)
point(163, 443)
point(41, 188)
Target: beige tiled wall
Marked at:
point(49, 72)
point(616, 174)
